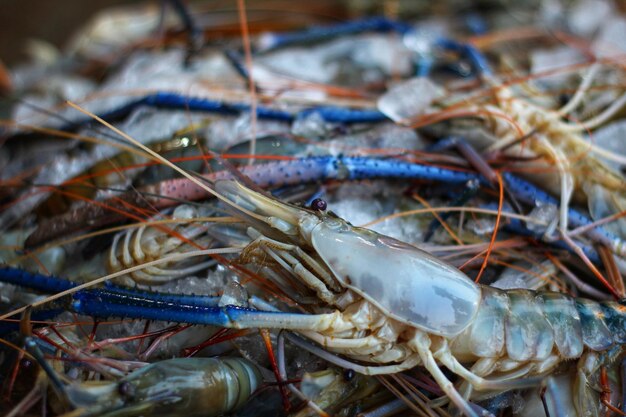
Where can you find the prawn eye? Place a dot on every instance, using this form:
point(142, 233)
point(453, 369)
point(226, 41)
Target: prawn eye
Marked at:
point(348, 375)
point(319, 204)
point(126, 390)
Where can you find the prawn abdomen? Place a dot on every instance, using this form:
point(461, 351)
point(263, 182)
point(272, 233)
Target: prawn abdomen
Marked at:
point(524, 325)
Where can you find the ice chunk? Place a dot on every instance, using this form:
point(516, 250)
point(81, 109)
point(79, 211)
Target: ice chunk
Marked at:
point(610, 39)
point(551, 13)
point(387, 54)
point(227, 132)
point(425, 35)
point(234, 295)
point(525, 275)
point(481, 227)
point(311, 125)
point(118, 27)
point(313, 383)
point(361, 203)
point(611, 138)
point(399, 137)
point(212, 284)
point(603, 203)
point(71, 88)
point(317, 64)
point(304, 64)
point(61, 169)
point(409, 99)
point(588, 15)
point(550, 60)
point(545, 215)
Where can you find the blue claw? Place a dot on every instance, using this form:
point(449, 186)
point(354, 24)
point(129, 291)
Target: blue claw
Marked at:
point(34, 281)
point(134, 304)
point(103, 303)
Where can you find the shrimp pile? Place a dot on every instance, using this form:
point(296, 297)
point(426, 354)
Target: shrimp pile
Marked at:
point(347, 210)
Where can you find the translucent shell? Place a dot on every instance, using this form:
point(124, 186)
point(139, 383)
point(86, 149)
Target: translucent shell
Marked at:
point(407, 284)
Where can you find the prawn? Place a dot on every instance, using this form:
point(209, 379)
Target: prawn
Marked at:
point(393, 307)
point(427, 313)
point(173, 387)
point(519, 127)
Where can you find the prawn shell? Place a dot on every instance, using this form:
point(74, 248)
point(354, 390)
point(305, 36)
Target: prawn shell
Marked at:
point(596, 334)
point(406, 283)
point(528, 332)
point(615, 319)
point(560, 311)
point(196, 386)
point(486, 335)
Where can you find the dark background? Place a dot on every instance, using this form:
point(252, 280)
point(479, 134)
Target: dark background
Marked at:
point(50, 20)
point(56, 20)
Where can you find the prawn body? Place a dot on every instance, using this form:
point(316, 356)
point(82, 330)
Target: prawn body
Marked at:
point(399, 307)
point(175, 387)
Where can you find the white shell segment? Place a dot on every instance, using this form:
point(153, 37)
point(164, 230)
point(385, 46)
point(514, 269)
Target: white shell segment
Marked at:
point(529, 335)
point(487, 330)
point(408, 284)
point(560, 311)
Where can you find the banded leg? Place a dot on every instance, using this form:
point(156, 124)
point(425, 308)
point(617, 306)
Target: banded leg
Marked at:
point(293, 259)
point(409, 363)
point(367, 349)
point(444, 356)
point(421, 342)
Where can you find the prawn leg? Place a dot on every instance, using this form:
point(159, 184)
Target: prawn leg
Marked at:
point(422, 344)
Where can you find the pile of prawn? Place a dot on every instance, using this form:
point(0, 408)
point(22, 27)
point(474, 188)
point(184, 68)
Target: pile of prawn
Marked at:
point(262, 216)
